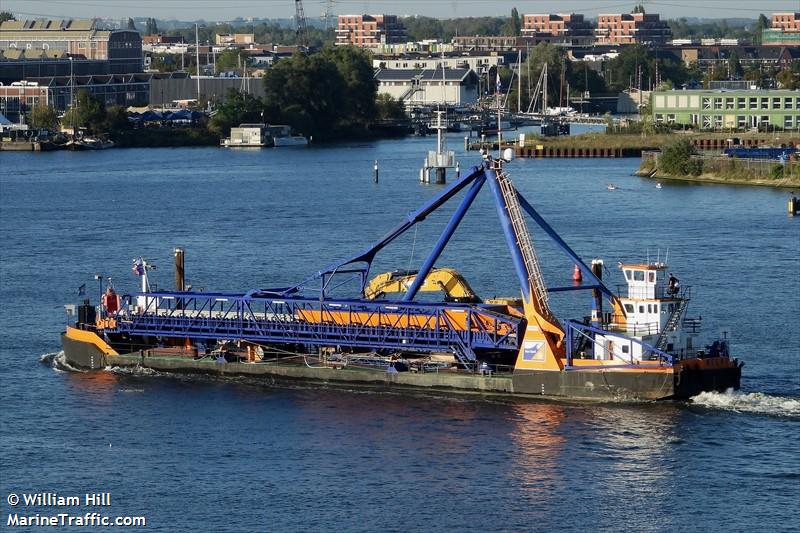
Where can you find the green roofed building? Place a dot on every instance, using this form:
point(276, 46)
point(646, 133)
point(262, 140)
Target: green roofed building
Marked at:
point(728, 109)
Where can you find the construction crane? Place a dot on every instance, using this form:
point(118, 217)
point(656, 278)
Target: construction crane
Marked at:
point(302, 29)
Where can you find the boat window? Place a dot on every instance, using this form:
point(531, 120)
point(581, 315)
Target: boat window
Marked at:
point(641, 308)
point(627, 274)
point(638, 275)
point(649, 308)
point(629, 308)
point(651, 276)
point(626, 349)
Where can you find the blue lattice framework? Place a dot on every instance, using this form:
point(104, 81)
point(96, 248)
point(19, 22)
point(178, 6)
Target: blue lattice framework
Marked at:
point(356, 323)
point(289, 316)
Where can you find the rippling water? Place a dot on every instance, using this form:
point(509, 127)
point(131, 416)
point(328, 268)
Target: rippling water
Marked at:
point(233, 455)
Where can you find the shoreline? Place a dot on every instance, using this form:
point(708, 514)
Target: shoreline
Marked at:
point(712, 178)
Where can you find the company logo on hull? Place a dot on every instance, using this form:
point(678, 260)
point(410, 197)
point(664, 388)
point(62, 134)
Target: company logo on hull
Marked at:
point(533, 351)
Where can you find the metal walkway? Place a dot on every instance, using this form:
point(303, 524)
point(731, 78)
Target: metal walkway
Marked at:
point(455, 328)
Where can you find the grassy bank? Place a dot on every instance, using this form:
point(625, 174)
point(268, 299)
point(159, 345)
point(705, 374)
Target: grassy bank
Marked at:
point(651, 142)
point(769, 173)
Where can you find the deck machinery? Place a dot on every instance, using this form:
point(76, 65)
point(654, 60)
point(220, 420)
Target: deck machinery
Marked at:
point(601, 357)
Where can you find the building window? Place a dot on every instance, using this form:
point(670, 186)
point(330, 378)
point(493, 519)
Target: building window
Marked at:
point(659, 117)
point(717, 103)
point(765, 102)
point(776, 103)
point(741, 103)
point(753, 103)
point(741, 121)
point(694, 118)
point(787, 102)
point(729, 103)
point(706, 103)
point(787, 122)
point(671, 118)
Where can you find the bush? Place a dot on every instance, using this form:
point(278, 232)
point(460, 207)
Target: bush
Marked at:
point(676, 159)
point(776, 172)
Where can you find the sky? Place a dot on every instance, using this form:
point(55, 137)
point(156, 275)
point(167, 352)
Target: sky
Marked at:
point(222, 10)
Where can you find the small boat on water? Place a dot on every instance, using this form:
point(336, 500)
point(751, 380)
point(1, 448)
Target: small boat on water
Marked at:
point(263, 136)
point(337, 327)
point(88, 143)
point(658, 185)
point(611, 187)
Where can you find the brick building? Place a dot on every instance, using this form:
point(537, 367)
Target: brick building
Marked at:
point(122, 49)
point(631, 28)
point(784, 30)
point(567, 29)
point(368, 31)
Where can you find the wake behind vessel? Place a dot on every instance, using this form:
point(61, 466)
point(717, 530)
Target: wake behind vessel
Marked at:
point(638, 345)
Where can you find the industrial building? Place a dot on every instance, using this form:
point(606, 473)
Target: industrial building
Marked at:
point(58, 92)
point(631, 28)
point(450, 86)
point(368, 31)
point(563, 29)
point(728, 109)
point(121, 49)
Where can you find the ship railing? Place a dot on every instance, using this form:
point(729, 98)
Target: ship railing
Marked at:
point(660, 292)
point(311, 321)
point(635, 329)
point(575, 331)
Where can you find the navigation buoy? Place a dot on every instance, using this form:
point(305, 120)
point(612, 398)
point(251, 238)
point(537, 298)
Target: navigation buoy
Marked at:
point(577, 276)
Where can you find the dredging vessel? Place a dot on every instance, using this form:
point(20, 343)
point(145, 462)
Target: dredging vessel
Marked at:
point(636, 345)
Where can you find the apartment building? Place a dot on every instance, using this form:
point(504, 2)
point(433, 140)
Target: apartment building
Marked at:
point(369, 31)
point(565, 29)
point(631, 28)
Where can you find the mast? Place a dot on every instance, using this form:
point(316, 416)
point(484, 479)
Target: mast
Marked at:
point(519, 81)
point(544, 96)
point(197, 57)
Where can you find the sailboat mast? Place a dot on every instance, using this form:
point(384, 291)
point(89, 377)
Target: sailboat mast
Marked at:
point(519, 81)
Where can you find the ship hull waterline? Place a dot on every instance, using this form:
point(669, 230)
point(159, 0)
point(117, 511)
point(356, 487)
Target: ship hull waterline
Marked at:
point(670, 384)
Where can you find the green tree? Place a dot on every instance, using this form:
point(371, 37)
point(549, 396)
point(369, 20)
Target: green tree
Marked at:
point(5, 15)
point(388, 108)
point(151, 27)
point(734, 66)
point(235, 109)
point(355, 68)
point(718, 73)
point(789, 78)
point(131, 25)
point(761, 24)
point(115, 120)
point(322, 94)
point(638, 8)
point(89, 113)
point(513, 25)
point(308, 92)
point(676, 159)
point(232, 59)
point(43, 117)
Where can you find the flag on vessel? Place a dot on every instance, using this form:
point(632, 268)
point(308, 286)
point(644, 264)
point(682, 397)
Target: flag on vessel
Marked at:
point(499, 86)
point(82, 290)
point(138, 267)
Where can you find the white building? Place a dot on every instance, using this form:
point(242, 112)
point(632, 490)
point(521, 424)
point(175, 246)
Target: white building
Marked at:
point(476, 63)
point(428, 86)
